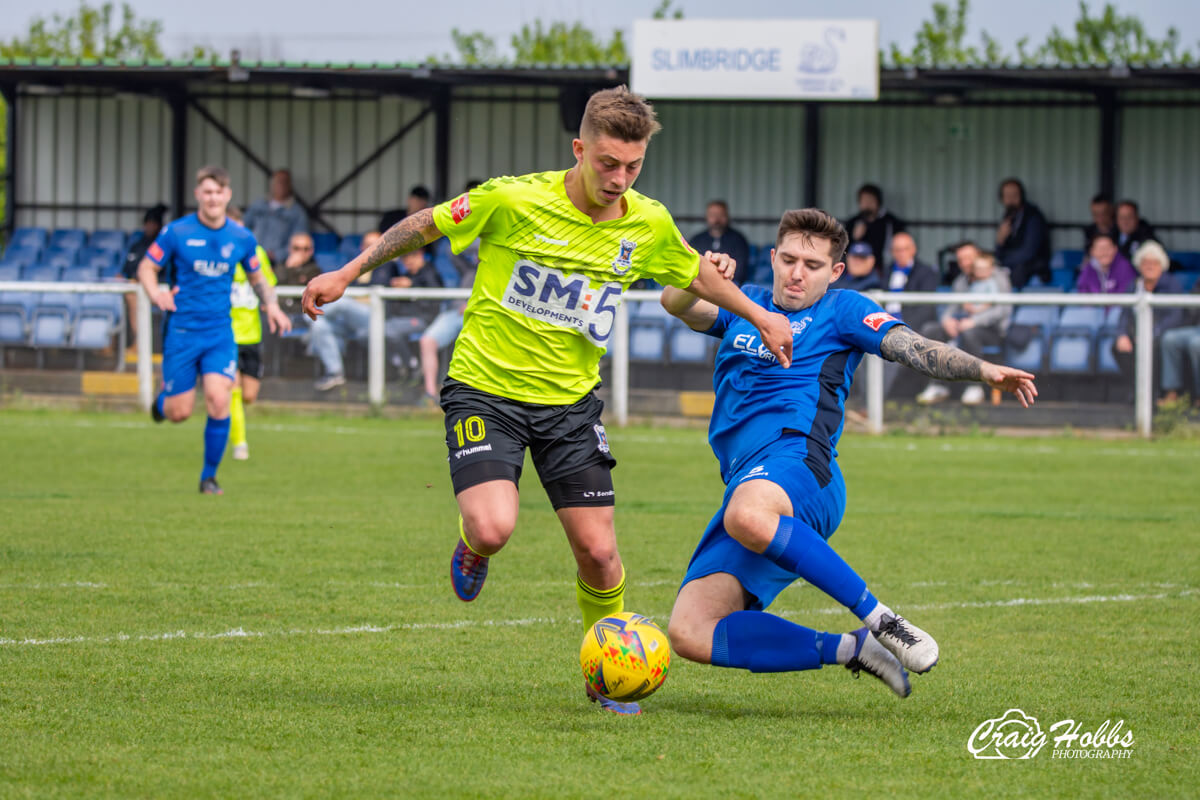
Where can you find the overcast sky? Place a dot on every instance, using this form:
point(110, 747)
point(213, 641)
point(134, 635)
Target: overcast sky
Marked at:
point(403, 30)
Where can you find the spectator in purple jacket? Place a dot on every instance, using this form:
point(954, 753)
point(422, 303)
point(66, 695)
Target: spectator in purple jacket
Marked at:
point(1105, 270)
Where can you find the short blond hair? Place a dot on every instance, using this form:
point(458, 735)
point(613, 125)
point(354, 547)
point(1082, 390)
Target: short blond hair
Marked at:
point(1151, 249)
point(621, 114)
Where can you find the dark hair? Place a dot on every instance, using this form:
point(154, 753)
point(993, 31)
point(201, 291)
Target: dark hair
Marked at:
point(471, 184)
point(419, 191)
point(720, 203)
point(1101, 235)
point(968, 243)
point(155, 214)
point(1132, 205)
point(218, 174)
point(621, 114)
point(1012, 182)
point(1102, 197)
point(871, 189)
point(813, 223)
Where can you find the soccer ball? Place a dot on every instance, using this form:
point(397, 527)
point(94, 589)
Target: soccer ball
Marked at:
point(625, 657)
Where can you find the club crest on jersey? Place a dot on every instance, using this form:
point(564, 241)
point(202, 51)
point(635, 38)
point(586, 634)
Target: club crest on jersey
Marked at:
point(460, 209)
point(875, 321)
point(798, 325)
point(624, 259)
point(227, 250)
point(601, 438)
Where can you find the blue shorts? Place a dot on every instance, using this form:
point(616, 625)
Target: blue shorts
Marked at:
point(445, 328)
point(782, 463)
point(188, 353)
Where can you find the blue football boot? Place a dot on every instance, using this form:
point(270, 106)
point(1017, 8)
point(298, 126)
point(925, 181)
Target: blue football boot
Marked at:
point(624, 709)
point(467, 571)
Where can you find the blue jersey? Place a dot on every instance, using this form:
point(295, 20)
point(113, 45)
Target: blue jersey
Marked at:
point(758, 400)
point(202, 260)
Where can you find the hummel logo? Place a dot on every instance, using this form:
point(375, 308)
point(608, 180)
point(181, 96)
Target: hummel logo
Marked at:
point(548, 240)
point(196, 243)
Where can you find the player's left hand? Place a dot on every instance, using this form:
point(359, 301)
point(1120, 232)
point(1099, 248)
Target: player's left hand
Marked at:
point(277, 321)
point(725, 265)
point(1011, 380)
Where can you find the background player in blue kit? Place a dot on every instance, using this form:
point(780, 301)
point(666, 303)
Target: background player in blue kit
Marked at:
point(203, 250)
point(775, 434)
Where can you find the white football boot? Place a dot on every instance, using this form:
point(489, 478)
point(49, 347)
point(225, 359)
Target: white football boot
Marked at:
point(915, 648)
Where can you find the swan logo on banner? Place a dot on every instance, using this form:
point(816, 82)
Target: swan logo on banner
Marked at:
point(821, 59)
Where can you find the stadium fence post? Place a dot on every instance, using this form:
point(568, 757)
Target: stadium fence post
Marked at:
point(619, 347)
point(375, 348)
point(1144, 364)
point(874, 394)
point(145, 349)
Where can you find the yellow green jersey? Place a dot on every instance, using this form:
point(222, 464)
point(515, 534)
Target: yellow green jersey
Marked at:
point(549, 282)
point(247, 323)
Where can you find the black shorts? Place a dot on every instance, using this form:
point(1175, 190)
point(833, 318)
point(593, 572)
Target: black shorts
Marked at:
point(483, 427)
point(250, 361)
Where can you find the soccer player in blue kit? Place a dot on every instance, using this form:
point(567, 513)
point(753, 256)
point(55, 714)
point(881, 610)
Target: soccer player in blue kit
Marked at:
point(775, 432)
point(203, 249)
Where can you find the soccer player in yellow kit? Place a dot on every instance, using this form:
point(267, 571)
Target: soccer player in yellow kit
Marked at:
point(557, 249)
point(247, 333)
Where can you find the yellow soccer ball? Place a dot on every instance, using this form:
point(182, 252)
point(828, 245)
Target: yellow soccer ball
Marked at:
point(625, 657)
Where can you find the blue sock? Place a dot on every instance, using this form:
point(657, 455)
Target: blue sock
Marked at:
point(762, 642)
point(216, 433)
point(158, 403)
point(799, 549)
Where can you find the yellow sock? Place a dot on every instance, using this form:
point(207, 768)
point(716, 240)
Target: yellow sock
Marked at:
point(596, 604)
point(462, 534)
point(237, 419)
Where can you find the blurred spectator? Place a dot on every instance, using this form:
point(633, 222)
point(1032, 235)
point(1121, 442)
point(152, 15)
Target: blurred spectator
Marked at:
point(275, 219)
point(907, 274)
point(298, 269)
point(1022, 238)
point(441, 333)
point(418, 198)
point(152, 224)
point(1103, 219)
point(860, 274)
point(873, 223)
point(975, 325)
point(719, 237)
point(1132, 230)
point(1151, 261)
point(381, 275)
point(1181, 346)
point(1105, 270)
point(406, 318)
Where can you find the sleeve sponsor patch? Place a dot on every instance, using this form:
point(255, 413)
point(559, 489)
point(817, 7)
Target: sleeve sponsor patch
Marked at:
point(155, 252)
point(460, 208)
point(875, 321)
point(253, 263)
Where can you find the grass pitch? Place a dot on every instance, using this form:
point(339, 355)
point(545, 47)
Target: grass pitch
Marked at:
point(299, 637)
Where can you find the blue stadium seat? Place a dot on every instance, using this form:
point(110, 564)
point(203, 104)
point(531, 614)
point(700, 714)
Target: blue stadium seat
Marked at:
point(1073, 340)
point(349, 246)
point(1064, 278)
point(1035, 321)
point(16, 308)
point(328, 261)
point(112, 304)
point(80, 275)
point(686, 346)
point(646, 340)
point(105, 262)
point(649, 310)
point(1189, 260)
point(1066, 259)
point(1187, 279)
point(35, 238)
point(107, 241)
point(325, 242)
point(10, 272)
point(63, 301)
point(94, 330)
point(68, 238)
point(22, 255)
point(40, 272)
point(57, 257)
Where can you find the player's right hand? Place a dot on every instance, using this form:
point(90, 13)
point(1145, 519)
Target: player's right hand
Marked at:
point(320, 291)
point(776, 334)
point(165, 299)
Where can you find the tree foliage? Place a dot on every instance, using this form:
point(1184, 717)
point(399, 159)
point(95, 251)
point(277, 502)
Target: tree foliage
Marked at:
point(91, 32)
point(1106, 38)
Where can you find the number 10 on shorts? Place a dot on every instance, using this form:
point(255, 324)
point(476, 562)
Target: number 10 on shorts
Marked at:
point(470, 429)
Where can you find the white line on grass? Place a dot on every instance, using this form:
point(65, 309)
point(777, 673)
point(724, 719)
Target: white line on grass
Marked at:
point(242, 633)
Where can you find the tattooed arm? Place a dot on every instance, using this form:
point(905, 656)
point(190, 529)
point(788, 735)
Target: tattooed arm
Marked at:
point(945, 362)
point(935, 359)
point(415, 230)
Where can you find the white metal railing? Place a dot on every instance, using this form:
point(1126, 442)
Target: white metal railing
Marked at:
point(1143, 304)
